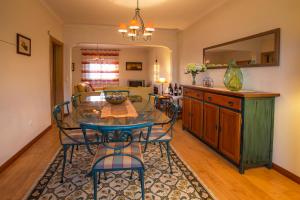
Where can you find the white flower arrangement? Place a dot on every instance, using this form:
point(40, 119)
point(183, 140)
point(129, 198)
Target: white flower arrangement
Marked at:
point(194, 68)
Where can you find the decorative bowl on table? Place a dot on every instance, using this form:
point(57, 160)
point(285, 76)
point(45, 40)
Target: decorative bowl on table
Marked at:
point(115, 98)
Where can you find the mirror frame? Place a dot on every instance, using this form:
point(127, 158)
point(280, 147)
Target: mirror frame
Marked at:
point(276, 49)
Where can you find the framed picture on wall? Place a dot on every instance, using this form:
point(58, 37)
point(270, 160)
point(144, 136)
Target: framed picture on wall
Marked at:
point(23, 45)
point(136, 66)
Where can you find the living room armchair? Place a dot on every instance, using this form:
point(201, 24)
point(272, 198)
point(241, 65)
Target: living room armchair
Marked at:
point(85, 89)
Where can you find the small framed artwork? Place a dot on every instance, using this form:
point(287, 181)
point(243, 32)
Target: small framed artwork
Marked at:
point(136, 66)
point(23, 45)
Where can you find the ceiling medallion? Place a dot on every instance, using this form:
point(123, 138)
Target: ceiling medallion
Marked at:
point(137, 29)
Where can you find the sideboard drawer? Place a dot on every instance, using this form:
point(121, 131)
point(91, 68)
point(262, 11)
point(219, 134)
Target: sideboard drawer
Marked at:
point(193, 93)
point(229, 102)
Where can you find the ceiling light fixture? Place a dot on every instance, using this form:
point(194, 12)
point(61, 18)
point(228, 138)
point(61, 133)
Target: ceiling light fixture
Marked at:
point(137, 28)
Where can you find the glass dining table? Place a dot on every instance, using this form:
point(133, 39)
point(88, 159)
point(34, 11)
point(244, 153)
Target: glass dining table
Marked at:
point(89, 111)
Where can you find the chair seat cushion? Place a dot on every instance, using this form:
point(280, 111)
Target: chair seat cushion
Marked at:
point(157, 134)
point(118, 161)
point(77, 135)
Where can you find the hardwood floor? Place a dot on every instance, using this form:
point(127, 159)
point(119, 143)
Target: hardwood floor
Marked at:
point(220, 177)
point(18, 178)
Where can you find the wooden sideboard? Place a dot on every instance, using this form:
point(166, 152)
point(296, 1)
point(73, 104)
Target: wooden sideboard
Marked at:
point(238, 125)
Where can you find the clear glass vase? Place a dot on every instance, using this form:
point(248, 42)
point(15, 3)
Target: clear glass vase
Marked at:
point(194, 78)
point(233, 78)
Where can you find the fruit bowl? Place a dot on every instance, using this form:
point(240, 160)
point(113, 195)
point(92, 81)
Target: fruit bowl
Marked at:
point(115, 98)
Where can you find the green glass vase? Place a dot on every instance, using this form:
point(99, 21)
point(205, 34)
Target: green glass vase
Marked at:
point(233, 78)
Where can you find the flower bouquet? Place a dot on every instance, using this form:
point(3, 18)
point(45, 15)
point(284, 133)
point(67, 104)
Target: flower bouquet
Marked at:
point(195, 69)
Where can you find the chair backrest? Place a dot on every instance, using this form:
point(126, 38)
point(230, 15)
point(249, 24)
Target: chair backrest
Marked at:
point(153, 99)
point(172, 112)
point(123, 92)
point(76, 100)
point(58, 112)
point(64, 128)
point(116, 137)
point(121, 133)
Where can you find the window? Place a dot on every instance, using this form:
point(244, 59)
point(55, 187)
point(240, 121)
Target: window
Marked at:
point(100, 67)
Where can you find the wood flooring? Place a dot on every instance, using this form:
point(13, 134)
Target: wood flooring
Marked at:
point(217, 174)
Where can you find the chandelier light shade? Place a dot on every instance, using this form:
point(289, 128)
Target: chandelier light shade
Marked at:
point(136, 28)
point(122, 28)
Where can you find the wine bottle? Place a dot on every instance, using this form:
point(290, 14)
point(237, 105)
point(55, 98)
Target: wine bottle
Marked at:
point(170, 89)
point(175, 90)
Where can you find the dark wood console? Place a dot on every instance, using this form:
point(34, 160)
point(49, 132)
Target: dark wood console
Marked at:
point(238, 125)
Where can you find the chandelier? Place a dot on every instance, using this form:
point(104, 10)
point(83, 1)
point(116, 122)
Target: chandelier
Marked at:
point(137, 28)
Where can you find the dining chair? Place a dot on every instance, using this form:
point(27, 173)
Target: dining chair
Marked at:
point(118, 151)
point(76, 100)
point(69, 136)
point(124, 92)
point(153, 99)
point(162, 133)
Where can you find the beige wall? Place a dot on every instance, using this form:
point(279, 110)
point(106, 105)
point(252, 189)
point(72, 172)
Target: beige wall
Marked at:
point(164, 60)
point(93, 34)
point(24, 81)
point(133, 55)
point(239, 18)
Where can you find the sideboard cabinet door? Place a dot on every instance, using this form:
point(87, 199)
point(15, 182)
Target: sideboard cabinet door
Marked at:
point(197, 117)
point(211, 124)
point(186, 113)
point(230, 134)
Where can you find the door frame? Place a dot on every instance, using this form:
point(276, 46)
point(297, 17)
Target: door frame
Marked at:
point(53, 41)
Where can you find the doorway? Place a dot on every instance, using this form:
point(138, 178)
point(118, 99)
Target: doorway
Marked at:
point(56, 72)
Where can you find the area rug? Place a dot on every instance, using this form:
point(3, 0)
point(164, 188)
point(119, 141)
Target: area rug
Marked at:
point(159, 183)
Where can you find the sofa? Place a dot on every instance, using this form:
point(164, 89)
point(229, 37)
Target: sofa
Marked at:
point(85, 89)
point(135, 93)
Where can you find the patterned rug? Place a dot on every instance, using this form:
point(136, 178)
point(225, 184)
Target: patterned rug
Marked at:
point(159, 183)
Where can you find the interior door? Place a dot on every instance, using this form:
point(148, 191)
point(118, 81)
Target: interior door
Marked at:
point(211, 124)
point(56, 72)
point(230, 134)
point(197, 117)
point(186, 113)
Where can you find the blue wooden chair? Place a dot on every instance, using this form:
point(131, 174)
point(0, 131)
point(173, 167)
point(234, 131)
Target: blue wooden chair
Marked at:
point(69, 136)
point(123, 92)
point(76, 100)
point(118, 151)
point(162, 133)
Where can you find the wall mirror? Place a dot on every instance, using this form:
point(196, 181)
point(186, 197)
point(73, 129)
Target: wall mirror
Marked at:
point(253, 51)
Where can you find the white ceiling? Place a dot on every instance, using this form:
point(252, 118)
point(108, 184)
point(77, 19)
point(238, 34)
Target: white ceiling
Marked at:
point(173, 14)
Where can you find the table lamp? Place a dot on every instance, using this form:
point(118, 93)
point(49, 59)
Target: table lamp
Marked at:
point(162, 80)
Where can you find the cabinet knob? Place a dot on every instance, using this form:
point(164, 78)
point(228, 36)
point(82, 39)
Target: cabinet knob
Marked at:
point(209, 98)
point(230, 103)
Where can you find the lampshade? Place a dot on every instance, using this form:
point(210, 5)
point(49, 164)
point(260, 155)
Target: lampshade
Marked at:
point(122, 28)
point(134, 24)
point(162, 80)
point(149, 28)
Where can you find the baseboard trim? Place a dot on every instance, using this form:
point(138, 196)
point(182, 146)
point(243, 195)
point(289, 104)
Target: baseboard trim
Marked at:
point(286, 173)
point(20, 152)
